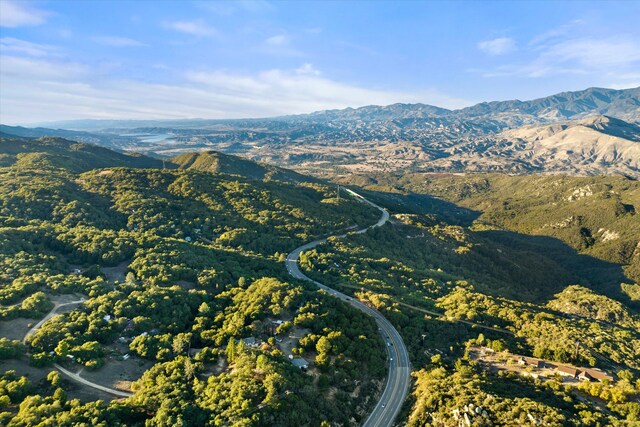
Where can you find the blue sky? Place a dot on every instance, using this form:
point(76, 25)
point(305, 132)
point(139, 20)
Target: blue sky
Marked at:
point(159, 59)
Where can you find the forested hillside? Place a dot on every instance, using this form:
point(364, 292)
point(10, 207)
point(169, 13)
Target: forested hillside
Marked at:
point(170, 284)
point(468, 295)
point(595, 215)
point(47, 153)
point(213, 161)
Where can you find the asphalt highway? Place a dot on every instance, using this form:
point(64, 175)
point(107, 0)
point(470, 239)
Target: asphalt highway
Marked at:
point(397, 384)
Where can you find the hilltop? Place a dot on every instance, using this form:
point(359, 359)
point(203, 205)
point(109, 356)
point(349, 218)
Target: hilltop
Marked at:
point(216, 162)
point(70, 155)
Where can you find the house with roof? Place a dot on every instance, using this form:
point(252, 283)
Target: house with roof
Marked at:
point(567, 371)
point(299, 362)
point(595, 375)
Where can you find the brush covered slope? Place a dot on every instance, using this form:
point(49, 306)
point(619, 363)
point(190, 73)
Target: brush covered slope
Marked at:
point(175, 290)
point(594, 215)
point(51, 152)
point(474, 286)
point(216, 162)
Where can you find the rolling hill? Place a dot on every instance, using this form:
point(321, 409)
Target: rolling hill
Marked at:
point(70, 155)
point(216, 162)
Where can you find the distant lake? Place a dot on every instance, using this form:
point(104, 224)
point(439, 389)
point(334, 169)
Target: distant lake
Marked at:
point(150, 137)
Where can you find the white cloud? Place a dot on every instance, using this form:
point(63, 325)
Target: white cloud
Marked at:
point(624, 80)
point(35, 90)
point(20, 14)
point(117, 41)
point(195, 28)
point(25, 69)
point(594, 53)
point(281, 45)
point(541, 40)
point(278, 40)
point(499, 46)
point(307, 68)
point(627, 85)
point(221, 8)
point(579, 56)
point(13, 45)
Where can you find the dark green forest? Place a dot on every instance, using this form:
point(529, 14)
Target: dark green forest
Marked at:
point(175, 270)
point(201, 256)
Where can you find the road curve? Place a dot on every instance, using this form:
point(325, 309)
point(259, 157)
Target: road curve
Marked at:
point(397, 384)
point(68, 373)
point(79, 379)
point(52, 313)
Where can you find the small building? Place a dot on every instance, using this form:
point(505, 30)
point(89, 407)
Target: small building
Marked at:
point(107, 317)
point(531, 361)
point(567, 371)
point(251, 342)
point(584, 376)
point(188, 238)
point(536, 363)
point(299, 362)
point(126, 356)
point(597, 375)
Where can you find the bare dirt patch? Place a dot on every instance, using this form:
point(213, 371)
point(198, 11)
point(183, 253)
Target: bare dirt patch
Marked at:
point(16, 329)
point(291, 339)
point(118, 374)
point(117, 273)
point(66, 298)
point(22, 367)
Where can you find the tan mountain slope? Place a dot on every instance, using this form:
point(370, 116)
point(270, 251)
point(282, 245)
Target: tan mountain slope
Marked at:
point(593, 145)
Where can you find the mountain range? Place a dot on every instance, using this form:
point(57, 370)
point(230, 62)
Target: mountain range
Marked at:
point(594, 131)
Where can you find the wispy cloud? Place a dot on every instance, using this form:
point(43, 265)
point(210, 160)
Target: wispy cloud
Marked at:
point(499, 46)
point(278, 40)
point(117, 41)
point(239, 6)
point(41, 90)
point(13, 45)
point(280, 44)
point(21, 69)
point(197, 28)
point(559, 51)
point(308, 68)
point(594, 53)
point(21, 14)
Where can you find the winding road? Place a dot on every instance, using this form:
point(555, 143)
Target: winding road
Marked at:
point(397, 384)
point(76, 377)
point(52, 313)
